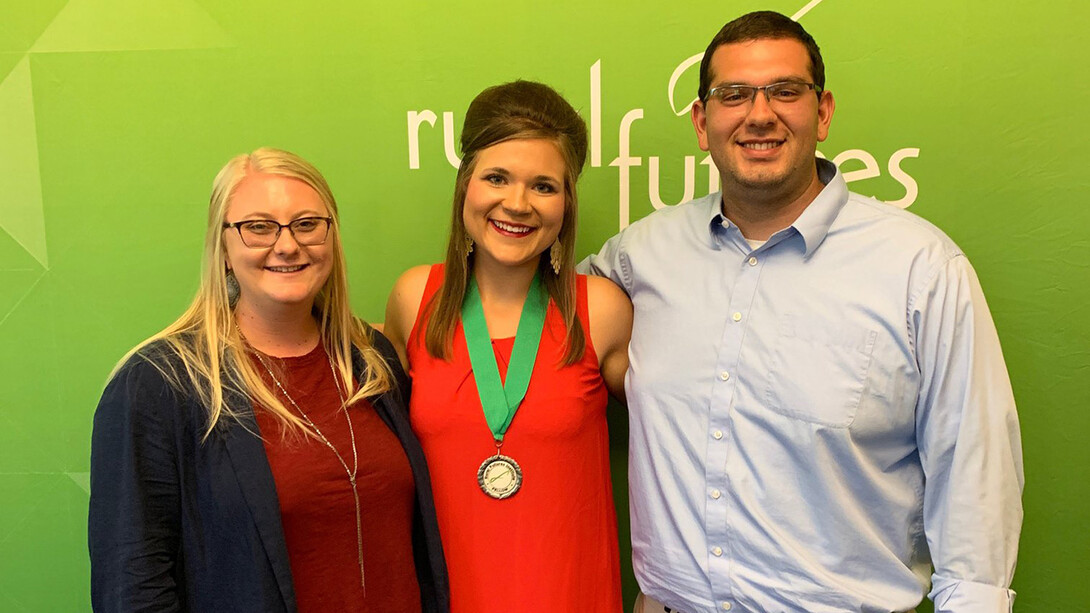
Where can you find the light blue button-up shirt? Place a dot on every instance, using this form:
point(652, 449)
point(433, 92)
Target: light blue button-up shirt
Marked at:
point(816, 422)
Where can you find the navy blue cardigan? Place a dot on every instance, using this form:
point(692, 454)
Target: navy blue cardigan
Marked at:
point(177, 524)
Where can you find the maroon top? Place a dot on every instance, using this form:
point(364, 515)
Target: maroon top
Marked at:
point(316, 504)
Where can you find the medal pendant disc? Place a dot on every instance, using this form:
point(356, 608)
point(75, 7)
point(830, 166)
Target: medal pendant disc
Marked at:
point(499, 476)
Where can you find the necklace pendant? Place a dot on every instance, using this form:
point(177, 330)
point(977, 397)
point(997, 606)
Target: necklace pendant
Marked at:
point(352, 473)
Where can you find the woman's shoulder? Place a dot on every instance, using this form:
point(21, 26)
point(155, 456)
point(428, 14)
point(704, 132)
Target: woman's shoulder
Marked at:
point(165, 365)
point(379, 341)
point(149, 379)
point(380, 349)
point(609, 312)
point(409, 287)
point(151, 361)
point(403, 307)
point(606, 295)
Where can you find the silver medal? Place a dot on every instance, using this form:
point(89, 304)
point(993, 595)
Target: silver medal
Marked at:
point(499, 476)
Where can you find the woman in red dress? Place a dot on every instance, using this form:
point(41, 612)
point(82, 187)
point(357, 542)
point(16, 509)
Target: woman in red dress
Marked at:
point(511, 355)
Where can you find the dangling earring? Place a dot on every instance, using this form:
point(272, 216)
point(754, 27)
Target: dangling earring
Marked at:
point(469, 244)
point(556, 256)
point(233, 289)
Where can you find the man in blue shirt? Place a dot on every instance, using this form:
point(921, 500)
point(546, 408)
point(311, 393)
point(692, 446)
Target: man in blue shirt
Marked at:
point(821, 419)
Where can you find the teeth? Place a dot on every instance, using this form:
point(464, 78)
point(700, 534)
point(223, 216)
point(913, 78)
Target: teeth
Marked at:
point(285, 268)
point(510, 228)
point(760, 146)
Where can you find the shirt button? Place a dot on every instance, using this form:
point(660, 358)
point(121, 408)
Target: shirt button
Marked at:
point(716, 494)
point(736, 317)
point(726, 606)
point(718, 434)
point(718, 551)
point(724, 375)
point(752, 261)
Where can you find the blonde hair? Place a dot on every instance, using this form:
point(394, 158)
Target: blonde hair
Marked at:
point(205, 339)
point(512, 111)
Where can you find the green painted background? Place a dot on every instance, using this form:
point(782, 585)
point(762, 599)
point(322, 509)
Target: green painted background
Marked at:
point(116, 114)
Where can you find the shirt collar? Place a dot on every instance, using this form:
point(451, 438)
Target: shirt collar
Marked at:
point(814, 222)
point(713, 214)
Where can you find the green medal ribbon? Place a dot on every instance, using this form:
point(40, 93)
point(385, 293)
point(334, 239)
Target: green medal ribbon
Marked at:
point(498, 400)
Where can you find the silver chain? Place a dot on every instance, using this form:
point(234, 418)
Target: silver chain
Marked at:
point(352, 435)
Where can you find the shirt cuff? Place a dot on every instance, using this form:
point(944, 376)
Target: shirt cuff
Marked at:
point(952, 596)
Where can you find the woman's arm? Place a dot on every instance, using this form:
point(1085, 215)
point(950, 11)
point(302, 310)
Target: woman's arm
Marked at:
point(610, 313)
point(402, 307)
point(134, 517)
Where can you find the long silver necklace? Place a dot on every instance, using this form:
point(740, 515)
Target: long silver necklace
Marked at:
point(352, 435)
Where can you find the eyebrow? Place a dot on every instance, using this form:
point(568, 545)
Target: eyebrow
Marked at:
point(783, 79)
point(507, 173)
point(261, 215)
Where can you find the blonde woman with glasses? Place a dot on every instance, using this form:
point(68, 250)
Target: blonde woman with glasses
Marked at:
point(256, 454)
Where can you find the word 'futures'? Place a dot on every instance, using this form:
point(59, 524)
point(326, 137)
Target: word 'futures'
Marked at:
point(625, 160)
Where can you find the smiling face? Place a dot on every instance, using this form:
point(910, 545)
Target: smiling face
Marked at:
point(763, 148)
point(514, 203)
point(286, 275)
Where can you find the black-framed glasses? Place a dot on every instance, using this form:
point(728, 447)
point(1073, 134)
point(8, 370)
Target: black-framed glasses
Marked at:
point(263, 233)
point(784, 92)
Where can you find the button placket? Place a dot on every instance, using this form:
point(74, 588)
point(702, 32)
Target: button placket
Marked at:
point(719, 456)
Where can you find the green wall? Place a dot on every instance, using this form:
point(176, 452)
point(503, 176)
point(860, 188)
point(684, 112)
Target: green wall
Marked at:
point(116, 114)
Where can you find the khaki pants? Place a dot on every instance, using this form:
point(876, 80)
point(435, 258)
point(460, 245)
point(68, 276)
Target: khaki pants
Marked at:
point(646, 604)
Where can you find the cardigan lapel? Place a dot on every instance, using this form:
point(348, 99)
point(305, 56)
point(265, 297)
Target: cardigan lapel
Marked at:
point(384, 404)
point(391, 406)
point(255, 479)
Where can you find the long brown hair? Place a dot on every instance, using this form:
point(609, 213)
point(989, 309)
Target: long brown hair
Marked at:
point(512, 111)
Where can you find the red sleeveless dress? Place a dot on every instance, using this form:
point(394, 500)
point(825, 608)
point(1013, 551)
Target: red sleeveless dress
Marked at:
point(552, 546)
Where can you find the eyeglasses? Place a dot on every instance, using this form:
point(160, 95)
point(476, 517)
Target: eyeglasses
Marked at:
point(784, 92)
point(263, 233)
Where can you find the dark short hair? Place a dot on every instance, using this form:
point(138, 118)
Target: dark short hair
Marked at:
point(756, 26)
